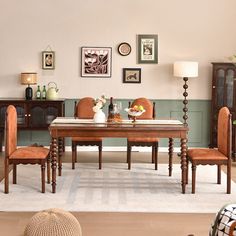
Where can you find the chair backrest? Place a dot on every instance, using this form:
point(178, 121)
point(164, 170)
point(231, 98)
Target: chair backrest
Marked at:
point(84, 108)
point(10, 130)
point(148, 106)
point(224, 132)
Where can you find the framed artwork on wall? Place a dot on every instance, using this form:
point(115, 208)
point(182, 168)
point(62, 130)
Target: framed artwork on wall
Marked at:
point(131, 75)
point(124, 49)
point(48, 60)
point(96, 61)
point(147, 48)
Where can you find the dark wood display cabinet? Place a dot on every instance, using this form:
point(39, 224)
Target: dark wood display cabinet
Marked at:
point(223, 94)
point(31, 114)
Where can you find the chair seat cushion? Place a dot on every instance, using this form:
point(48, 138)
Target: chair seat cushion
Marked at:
point(30, 153)
point(205, 154)
point(144, 140)
point(89, 139)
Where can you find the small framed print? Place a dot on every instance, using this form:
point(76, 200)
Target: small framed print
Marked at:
point(96, 61)
point(48, 60)
point(147, 48)
point(131, 75)
point(124, 49)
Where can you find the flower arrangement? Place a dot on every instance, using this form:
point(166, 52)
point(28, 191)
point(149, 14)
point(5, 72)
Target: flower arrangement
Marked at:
point(99, 103)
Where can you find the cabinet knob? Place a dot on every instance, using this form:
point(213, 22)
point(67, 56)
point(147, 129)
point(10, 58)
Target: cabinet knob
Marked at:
point(25, 114)
point(213, 86)
point(29, 114)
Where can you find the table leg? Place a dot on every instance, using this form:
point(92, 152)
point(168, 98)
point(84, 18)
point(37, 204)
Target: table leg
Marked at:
point(171, 148)
point(60, 151)
point(184, 163)
point(54, 163)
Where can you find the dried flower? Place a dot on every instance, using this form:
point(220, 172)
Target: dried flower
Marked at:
point(99, 103)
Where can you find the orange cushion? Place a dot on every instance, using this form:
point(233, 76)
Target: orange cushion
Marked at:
point(146, 140)
point(89, 139)
point(205, 154)
point(30, 153)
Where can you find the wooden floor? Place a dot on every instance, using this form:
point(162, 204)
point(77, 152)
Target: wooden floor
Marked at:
point(120, 224)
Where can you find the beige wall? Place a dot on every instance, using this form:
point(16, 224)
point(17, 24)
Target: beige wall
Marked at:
point(201, 30)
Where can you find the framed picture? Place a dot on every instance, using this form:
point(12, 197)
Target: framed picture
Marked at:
point(96, 61)
point(131, 75)
point(48, 60)
point(124, 49)
point(147, 48)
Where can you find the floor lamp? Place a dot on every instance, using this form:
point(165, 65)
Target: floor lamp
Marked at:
point(185, 69)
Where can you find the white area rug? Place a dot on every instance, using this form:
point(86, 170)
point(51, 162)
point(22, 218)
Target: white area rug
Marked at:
point(116, 189)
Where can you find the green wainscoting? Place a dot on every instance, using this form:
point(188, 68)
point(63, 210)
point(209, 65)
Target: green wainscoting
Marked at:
point(199, 123)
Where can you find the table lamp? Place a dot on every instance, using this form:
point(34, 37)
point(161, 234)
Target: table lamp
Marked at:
point(185, 69)
point(28, 78)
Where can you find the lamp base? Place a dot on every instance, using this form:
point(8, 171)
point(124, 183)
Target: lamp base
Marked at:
point(28, 93)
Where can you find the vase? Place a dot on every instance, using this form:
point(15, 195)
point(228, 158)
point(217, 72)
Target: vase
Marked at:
point(99, 117)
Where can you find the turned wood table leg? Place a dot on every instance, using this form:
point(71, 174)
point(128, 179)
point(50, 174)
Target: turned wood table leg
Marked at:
point(184, 163)
point(54, 163)
point(171, 148)
point(60, 151)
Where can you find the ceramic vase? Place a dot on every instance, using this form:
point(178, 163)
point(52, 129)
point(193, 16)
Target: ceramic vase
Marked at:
point(99, 117)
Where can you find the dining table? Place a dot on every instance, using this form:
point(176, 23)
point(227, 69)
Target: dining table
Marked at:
point(63, 127)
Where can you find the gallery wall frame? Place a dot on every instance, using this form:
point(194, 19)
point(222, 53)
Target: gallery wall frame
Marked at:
point(132, 75)
point(96, 61)
point(147, 46)
point(48, 60)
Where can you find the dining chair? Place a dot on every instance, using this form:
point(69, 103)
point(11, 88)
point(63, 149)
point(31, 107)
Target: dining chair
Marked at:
point(83, 109)
point(217, 156)
point(24, 155)
point(149, 114)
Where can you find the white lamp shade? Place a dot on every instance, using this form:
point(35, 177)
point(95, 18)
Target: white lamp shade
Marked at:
point(186, 69)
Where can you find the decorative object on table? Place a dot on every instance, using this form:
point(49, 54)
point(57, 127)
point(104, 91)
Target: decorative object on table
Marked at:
point(52, 92)
point(28, 78)
point(96, 61)
point(48, 60)
point(38, 93)
point(185, 69)
point(44, 92)
point(148, 48)
point(131, 75)
point(114, 113)
point(135, 111)
point(53, 221)
point(99, 116)
point(124, 49)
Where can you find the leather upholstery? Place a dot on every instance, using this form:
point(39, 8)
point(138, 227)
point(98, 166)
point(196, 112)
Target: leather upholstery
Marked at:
point(222, 131)
point(84, 108)
point(205, 154)
point(143, 140)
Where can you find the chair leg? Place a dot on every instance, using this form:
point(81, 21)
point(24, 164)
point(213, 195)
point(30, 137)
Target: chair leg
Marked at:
point(6, 175)
point(155, 155)
point(43, 176)
point(14, 173)
point(48, 170)
point(170, 152)
point(100, 156)
point(229, 177)
point(193, 177)
point(73, 154)
point(187, 171)
point(218, 174)
point(129, 149)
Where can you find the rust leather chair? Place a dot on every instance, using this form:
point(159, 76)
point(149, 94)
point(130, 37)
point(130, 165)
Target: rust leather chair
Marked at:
point(219, 156)
point(149, 114)
point(24, 155)
point(84, 110)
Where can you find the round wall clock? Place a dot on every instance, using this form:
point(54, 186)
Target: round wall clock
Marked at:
point(124, 49)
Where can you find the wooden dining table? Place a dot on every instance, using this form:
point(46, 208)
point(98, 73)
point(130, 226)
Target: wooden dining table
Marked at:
point(63, 127)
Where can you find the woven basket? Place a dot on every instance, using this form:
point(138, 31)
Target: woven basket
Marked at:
point(55, 222)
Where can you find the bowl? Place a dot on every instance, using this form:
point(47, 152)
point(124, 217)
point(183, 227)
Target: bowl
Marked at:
point(134, 114)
